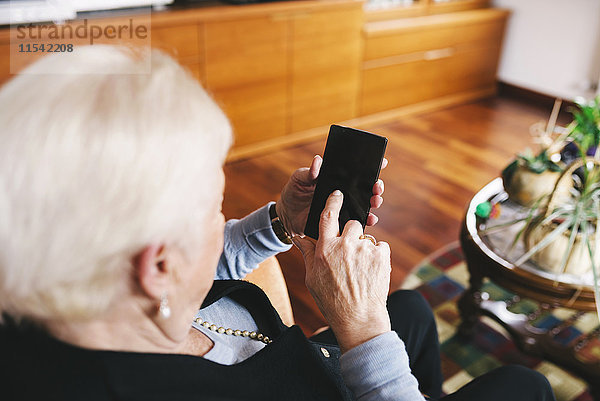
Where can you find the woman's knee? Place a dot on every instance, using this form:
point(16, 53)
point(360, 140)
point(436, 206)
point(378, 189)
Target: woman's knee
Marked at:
point(409, 305)
point(512, 382)
point(530, 384)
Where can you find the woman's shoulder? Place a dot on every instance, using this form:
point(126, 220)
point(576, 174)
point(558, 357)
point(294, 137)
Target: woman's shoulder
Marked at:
point(39, 366)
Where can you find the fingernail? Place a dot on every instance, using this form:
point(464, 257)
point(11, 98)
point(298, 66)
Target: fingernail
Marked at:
point(337, 192)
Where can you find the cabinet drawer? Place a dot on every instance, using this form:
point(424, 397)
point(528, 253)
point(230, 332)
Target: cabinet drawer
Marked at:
point(180, 41)
point(398, 85)
point(383, 39)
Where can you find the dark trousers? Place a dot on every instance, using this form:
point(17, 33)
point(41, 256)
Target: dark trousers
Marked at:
point(413, 320)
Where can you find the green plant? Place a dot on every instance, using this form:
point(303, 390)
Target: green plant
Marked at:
point(586, 126)
point(536, 164)
point(540, 163)
point(578, 215)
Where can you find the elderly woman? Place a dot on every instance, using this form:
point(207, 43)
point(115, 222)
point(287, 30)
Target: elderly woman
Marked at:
point(111, 237)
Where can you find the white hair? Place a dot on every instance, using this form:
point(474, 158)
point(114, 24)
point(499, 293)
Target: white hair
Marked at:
point(93, 167)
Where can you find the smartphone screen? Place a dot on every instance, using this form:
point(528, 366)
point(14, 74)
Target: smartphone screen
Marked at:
point(351, 163)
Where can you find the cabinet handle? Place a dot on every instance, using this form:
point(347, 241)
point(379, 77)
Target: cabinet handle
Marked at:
point(439, 53)
point(409, 58)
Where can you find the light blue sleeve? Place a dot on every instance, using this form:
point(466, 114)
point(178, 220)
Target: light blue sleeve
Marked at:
point(378, 370)
point(248, 242)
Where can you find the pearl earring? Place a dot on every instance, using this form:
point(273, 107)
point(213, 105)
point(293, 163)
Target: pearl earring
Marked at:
point(164, 309)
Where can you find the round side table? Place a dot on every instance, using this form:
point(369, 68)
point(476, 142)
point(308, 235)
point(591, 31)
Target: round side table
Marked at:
point(485, 257)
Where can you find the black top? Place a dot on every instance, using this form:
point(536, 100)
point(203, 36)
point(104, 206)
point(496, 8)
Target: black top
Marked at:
point(39, 367)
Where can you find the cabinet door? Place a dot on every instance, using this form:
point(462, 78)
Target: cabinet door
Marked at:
point(246, 73)
point(326, 48)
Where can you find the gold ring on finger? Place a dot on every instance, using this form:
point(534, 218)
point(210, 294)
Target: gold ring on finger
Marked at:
point(369, 237)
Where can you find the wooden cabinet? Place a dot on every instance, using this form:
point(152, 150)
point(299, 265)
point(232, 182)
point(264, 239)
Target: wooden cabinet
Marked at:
point(411, 60)
point(284, 71)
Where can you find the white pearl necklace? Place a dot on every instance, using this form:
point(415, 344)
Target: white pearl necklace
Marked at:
point(231, 332)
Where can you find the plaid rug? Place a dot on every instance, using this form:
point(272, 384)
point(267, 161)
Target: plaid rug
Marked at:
point(442, 278)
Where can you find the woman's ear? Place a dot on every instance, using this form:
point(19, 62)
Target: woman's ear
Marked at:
point(153, 270)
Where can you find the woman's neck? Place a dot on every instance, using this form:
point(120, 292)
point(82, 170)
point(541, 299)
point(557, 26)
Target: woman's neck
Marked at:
point(131, 331)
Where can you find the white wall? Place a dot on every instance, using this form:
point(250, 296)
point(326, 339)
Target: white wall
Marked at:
point(552, 46)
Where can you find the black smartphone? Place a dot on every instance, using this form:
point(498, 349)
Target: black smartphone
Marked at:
point(351, 163)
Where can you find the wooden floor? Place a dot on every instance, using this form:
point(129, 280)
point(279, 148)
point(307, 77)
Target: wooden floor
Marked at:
point(437, 161)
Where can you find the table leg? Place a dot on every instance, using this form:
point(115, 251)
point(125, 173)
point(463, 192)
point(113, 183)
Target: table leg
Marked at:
point(469, 303)
point(594, 391)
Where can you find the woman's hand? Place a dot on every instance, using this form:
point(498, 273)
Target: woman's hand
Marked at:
point(294, 204)
point(348, 277)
